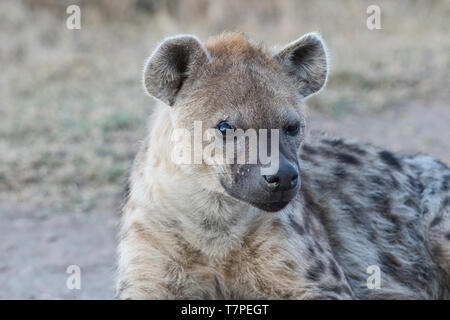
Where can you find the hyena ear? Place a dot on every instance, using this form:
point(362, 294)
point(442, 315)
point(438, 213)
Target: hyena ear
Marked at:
point(306, 61)
point(171, 64)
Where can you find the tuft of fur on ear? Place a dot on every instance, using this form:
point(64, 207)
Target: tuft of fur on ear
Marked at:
point(170, 64)
point(306, 61)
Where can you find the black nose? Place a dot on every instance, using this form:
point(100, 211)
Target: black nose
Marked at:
point(285, 179)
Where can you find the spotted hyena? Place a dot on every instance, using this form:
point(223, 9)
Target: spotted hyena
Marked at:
point(311, 229)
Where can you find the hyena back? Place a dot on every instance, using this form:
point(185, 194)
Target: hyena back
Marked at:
point(310, 230)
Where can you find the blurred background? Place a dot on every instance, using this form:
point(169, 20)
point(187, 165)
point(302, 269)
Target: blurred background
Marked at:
point(72, 109)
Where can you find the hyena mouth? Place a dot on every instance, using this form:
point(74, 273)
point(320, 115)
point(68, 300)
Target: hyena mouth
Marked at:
point(271, 206)
point(275, 201)
point(266, 192)
point(261, 198)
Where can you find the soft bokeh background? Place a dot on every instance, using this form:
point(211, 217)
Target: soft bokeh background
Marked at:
point(72, 110)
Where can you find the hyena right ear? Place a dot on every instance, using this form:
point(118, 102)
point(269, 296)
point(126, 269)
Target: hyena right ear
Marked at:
point(170, 64)
point(306, 61)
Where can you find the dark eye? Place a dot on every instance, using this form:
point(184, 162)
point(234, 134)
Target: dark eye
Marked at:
point(223, 127)
point(293, 129)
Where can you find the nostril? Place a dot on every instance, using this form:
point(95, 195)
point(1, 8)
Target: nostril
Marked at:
point(294, 181)
point(273, 179)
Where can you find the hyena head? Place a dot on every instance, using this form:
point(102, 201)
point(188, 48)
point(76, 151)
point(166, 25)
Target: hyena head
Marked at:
point(230, 83)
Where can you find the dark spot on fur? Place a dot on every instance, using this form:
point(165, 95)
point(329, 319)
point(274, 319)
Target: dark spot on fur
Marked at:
point(433, 191)
point(308, 149)
point(411, 228)
point(353, 277)
point(412, 204)
point(335, 289)
point(126, 190)
point(171, 223)
point(441, 164)
point(355, 216)
point(381, 202)
point(298, 228)
point(218, 289)
point(339, 172)
point(390, 159)
point(345, 146)
point(436, 221)
point(139, 228)
point(290, 264)
point(211, 224)
point(447, 236)
point(360, 219)
point(371, 233)
point(391, 266)
point(446, 202)
point(347, 158)
point(356, 149)
point(319, 247)
point(376, 180)
point(307, 158)
point(312, 207)
point(390, 261)
point(320, 266)
point(314, 274)
point(312, 251)
point(359, 185)
point(415, 184)
point(393, 182)
point(334, 269)
point(436, 251)
point(193, 256)
point(393, 233)
point(326, 152)
point(421, 272)
point(123, 285)
point(176, 288)
point(278, 225)
point(307, 225)
point(445, 182)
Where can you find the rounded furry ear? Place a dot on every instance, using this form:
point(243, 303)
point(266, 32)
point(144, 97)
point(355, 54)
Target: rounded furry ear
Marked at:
point(306, 61)
point(170, 64)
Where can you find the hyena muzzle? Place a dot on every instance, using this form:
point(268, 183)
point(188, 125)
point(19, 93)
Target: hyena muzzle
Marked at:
point(312, 229)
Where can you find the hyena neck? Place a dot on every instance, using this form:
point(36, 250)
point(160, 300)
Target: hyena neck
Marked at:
point(209, 221)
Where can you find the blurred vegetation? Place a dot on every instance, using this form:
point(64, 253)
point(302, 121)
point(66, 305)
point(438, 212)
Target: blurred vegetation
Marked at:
point(72, 109)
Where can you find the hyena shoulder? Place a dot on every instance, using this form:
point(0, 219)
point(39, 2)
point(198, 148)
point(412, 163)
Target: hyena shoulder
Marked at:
point(383, 209)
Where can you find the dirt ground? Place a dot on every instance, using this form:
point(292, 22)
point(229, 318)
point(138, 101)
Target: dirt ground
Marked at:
point(37, 245)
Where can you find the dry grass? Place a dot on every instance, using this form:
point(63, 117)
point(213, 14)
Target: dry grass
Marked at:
point(72, 109)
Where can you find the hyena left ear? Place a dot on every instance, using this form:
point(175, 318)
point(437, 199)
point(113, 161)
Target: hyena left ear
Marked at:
point(171, 64)
point(306, 61)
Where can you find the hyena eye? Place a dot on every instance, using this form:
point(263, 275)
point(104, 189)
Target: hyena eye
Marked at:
point(223, 127)
point(293, 129)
